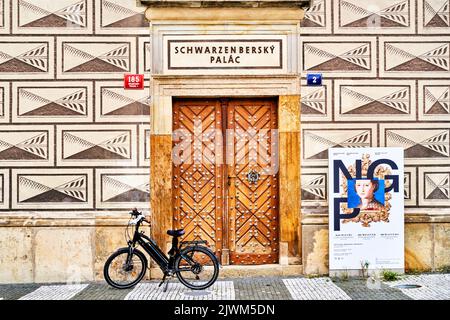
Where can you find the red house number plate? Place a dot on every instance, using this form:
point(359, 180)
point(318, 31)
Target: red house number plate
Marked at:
point(133, 81)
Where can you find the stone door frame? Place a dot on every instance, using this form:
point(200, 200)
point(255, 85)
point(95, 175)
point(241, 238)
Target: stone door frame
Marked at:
point(287, 88)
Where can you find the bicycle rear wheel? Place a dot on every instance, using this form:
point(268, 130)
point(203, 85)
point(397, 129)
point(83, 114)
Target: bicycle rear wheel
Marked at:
point(121, 275)
point(197, 268)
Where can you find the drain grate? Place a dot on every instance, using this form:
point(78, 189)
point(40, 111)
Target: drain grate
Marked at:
point(408, 286)
point(198, 293)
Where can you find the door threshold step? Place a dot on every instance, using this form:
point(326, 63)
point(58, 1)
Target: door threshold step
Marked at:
point(238, 271)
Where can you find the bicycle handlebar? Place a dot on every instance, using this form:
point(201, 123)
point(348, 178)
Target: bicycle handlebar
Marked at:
point(135, 212)
point(139, 217)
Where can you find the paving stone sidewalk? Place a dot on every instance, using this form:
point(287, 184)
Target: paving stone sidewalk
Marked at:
point(431, 287)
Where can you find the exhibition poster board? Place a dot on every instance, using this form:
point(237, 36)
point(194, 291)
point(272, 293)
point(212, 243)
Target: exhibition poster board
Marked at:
point(366, 208)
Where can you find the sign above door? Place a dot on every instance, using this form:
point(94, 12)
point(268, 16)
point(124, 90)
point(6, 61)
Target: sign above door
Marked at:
point(225, 54)
point(211, 54)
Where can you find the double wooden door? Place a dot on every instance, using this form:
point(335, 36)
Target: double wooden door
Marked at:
point(225, 176)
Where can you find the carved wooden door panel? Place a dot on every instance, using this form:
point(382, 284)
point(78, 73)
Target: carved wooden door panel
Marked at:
point(197, 170)
point(230, 200)
point(252, 181)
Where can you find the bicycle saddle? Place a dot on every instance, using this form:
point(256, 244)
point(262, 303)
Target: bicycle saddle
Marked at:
point(176, 233)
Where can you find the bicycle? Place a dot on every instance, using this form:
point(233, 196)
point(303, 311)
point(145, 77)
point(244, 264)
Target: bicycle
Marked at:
point(188, 260)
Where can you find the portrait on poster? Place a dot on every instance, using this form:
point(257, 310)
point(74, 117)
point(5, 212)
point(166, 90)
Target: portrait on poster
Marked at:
point(366, 194)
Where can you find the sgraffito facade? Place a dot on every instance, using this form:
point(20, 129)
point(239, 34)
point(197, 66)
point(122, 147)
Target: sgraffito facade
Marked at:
point(77, 151)
point(386, 65)
point(74, 151)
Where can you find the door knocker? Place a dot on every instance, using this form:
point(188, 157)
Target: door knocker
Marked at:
point(253, 177)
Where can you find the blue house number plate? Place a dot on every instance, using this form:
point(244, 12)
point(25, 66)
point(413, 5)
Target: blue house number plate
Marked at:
point(314, 79)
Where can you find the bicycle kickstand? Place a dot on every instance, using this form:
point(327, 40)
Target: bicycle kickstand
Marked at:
point(162, 281)
point(166, 286)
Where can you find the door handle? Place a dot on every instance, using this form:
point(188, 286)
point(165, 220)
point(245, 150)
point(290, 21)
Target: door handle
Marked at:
point(253, 177)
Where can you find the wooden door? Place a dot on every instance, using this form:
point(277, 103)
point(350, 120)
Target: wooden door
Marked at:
point(197, 184)
point(225, 182)
point(252, 180)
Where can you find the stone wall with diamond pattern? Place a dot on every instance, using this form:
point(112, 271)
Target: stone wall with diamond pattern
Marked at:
point(74, 154)
point(71, 138)
point(386, 65)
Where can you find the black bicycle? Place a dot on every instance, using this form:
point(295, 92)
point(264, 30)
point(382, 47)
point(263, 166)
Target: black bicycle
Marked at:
point(195, 265)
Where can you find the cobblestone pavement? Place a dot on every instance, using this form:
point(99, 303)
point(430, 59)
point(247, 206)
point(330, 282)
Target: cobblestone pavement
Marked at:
point(359, 289)
point(220, 290)
point(14, 292)
point(314, 289)
point(432, 287)
point(55, 292)
point(261, 289)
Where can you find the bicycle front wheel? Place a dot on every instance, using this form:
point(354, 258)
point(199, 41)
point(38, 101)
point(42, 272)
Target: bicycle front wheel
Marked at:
point(121, 274)
point(197, 267)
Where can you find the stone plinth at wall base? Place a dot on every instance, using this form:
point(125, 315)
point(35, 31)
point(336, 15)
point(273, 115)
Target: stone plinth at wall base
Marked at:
point(233, 271)
point(46, 248)
point(42, 247)
point(358, 273)
point(155, 273)
point(427, 239)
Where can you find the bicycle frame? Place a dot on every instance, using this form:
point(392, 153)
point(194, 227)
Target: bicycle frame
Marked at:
point(154, 251)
